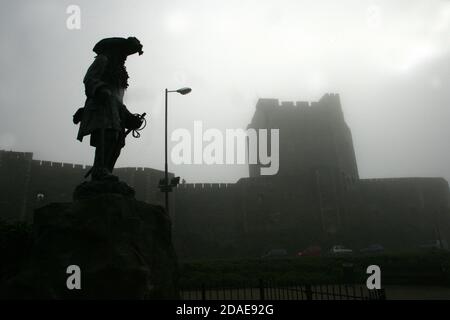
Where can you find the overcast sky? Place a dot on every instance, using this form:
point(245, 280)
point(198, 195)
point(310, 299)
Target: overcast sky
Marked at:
point(388, 60)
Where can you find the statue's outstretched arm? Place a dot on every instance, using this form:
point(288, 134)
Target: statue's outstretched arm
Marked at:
point(129, 120)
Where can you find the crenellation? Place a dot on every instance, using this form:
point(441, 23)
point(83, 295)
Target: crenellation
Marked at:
point(326, 99)
point(16, 155)
point(205, 186)
point(399, 180)
point(57, 165)
point(46, 163)
point(287, 104)
point(267, 104)
point(302, 104)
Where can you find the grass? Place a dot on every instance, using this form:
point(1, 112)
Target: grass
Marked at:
point(414, 268)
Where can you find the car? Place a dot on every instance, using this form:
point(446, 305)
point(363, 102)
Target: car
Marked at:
point(338, 250)
point(434, 245)
point(373, 248)
point(275, 253)
point(312, 251)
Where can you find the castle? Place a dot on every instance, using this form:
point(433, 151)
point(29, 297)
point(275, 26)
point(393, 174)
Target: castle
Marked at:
point(316, 198)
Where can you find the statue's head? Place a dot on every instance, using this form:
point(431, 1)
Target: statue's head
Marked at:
point(121, 47)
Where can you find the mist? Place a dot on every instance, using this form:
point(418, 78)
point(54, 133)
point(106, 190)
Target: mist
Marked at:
point(389, 61)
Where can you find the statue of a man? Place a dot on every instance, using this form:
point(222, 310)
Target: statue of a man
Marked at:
point(104, 116)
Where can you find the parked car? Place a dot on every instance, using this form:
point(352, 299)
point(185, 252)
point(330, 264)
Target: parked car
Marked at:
point(275, 253)
point(338, 250)
point(373, 249)
point(434, 245)
point(313, 251)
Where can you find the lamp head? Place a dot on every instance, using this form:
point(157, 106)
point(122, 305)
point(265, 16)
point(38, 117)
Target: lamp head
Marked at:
point(184, 91)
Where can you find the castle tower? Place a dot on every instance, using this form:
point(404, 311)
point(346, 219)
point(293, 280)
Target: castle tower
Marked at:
point(316, 155)
point(312, 135)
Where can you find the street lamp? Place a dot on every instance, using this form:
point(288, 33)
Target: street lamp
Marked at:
point(164, 185)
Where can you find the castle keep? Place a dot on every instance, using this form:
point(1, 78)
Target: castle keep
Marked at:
point(316, 198)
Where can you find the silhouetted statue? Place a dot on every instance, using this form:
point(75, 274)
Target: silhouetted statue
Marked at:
point(104, 116)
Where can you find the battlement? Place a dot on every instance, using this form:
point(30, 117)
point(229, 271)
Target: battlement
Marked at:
point(205, 186)
point(330, 97)
point(287, 112)
point(57, 165)
point(138, 169)
point(133, 169)
point(326, 99)
point(402, 180)
point(16, 155)
point(11, 157)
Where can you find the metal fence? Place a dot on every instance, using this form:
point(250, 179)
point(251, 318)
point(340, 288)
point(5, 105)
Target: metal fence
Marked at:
point(271, 290)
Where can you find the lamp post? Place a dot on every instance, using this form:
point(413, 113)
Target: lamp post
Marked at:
point(165, 186)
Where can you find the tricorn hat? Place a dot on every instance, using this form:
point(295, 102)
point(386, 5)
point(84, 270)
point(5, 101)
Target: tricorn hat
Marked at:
point(125, 46)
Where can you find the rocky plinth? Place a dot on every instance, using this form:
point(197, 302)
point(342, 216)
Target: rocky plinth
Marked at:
point(122, 246)
point(92, 189)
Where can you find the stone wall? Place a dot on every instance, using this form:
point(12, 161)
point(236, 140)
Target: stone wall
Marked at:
point(316, 199)
point(26, 184)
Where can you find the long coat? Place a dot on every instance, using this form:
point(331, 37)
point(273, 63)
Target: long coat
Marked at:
point(101, 114)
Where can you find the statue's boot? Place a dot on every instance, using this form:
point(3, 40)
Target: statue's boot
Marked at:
point(103, 174)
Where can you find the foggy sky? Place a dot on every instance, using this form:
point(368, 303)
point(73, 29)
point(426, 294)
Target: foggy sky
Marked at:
point(388, 60)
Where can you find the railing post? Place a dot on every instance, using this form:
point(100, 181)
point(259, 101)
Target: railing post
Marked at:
point(261, 289)
point(203, 292)
point(308, 292)
point(382, 294)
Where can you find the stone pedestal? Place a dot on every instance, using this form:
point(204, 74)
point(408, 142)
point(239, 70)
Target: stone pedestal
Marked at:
point(122, 246)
